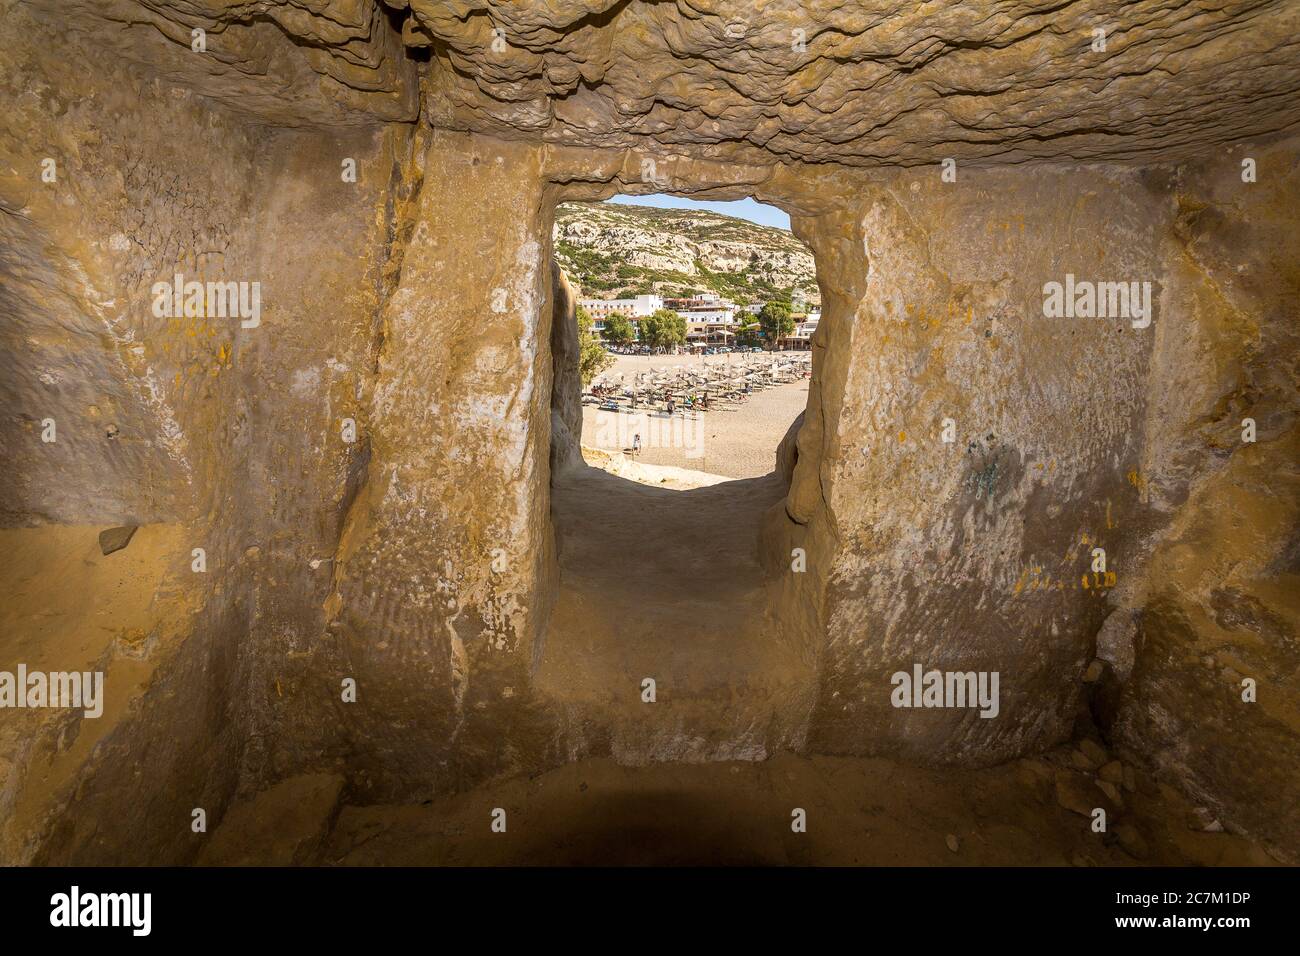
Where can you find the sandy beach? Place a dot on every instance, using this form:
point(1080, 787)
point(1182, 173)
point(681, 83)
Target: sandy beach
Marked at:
point(737, 442)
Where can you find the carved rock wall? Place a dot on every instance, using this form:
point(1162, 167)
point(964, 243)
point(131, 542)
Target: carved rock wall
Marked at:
point(413, 554)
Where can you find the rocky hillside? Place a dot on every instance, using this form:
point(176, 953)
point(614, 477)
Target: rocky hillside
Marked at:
point(616, 250)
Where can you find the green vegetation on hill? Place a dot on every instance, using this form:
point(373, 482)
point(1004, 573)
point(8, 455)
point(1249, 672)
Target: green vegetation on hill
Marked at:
point(595, 244)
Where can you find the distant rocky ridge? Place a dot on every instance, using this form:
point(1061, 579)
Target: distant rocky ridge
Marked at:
point(613, 251)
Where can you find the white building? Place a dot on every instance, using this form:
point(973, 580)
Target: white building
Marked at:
point(710, 326)
point(710, 317)
point(704, 301)
point(803, 332)
point(636, 308)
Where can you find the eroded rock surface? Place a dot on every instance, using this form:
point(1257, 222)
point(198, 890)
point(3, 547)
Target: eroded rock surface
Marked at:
point(357, 487)
point(866, 83)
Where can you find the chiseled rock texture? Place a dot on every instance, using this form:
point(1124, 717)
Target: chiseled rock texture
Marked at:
point(231, 433)
point(972, 554)
point(1218, 601)
point(368, 470)
point(445, 567)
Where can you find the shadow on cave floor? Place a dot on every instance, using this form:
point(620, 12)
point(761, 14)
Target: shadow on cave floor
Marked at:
point(859, 811)
point(665, 584)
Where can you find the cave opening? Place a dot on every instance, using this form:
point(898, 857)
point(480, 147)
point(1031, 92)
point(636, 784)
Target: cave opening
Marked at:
point(691, 326)
point(668, 453)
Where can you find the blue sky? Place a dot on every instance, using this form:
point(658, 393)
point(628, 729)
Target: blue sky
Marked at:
point(741, 209)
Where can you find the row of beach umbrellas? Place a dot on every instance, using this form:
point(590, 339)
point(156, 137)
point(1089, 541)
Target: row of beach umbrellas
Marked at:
point(718, 384)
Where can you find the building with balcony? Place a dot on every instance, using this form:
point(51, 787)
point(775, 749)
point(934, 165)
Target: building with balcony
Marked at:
point(801, 337)
point(633, 309)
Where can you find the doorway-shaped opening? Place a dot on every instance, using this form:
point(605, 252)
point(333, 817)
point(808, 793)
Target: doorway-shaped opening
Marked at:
point(695, 323)
point(682, 336)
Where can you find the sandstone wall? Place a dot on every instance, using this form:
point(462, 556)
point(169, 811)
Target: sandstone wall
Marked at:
point(1073, 434)
point(330, 64)
point(138, 401)
point(231, 433)
point(1218, 601)
point(566, 397)
point(446, 564)
point(971, 555)
point(871, 83)
point(367, 470)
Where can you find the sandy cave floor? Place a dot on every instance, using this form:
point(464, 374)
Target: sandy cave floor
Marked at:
point(859, 811)
point(652, 582)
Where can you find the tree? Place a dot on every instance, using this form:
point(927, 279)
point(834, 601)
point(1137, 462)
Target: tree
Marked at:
point(776, 322)
point(592, 357)
point(664, 329)
point(618, 329)
point(747, 335)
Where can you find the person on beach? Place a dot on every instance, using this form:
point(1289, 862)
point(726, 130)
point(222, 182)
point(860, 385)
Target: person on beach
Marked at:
point(636, 444)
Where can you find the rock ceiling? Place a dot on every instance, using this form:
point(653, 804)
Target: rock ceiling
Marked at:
point(857, 82)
